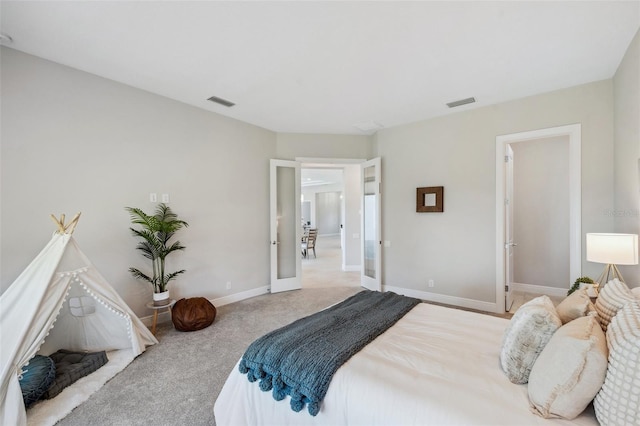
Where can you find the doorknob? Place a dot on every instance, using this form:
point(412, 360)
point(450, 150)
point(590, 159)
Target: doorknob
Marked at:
point(507, 245)
point(275, 242)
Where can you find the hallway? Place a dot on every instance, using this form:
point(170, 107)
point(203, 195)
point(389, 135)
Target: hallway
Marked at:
point(326, 269)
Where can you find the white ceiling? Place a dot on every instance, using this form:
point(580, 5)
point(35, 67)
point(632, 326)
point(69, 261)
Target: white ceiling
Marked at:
point(320, 176)
point(323, 67)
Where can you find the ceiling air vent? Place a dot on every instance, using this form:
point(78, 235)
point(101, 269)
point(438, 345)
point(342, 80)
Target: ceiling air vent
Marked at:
point(461, 102)
point(221, 101)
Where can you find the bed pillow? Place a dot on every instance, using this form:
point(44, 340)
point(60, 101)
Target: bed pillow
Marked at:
point(636, 292)
point(528, 332)
point(570, 370)
point(612, 297)
point(577, 304)
point(618, 402)
point(36, 377)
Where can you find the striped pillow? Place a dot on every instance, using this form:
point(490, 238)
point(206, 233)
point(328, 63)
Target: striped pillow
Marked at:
point(613, 296)
point(618, 402)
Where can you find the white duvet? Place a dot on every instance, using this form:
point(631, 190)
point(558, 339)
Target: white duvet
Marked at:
point(436, 366)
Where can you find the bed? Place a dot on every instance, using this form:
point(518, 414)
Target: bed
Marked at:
point(436, 366)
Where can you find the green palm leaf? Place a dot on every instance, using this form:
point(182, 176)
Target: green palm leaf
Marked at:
point(155, 231)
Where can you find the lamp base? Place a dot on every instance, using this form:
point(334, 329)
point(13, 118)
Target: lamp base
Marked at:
point(610, 272)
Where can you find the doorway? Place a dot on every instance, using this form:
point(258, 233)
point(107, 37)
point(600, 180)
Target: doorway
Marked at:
point(330, 194)
point(540, 199)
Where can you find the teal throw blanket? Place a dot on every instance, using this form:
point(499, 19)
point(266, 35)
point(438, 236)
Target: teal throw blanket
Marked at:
point(300, 359)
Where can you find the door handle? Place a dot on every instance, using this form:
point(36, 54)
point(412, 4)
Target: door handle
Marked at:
point(275, 242)
point(507, 245)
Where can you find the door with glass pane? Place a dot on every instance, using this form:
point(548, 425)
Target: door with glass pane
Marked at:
point(371, 225)
point(286, 226)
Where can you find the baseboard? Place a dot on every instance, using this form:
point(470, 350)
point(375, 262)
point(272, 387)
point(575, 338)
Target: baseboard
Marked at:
point(225, 300)
point(447, 300)
point(350, 268)
point(540, 289)
point(221, 301)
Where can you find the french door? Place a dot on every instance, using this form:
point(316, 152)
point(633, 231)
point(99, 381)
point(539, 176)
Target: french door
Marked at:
point(370, 276)
point(285, 226)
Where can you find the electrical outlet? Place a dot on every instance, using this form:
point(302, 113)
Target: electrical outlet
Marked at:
point(432, 283)
point(228, 285)
point(165, 198)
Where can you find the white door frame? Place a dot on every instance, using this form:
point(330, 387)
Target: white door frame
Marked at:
point(574, 132)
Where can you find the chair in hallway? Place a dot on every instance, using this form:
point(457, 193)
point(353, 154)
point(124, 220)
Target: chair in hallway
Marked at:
point(309, 243)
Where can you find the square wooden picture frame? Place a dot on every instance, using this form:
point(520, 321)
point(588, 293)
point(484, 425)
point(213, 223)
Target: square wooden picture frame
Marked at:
point(430, 199)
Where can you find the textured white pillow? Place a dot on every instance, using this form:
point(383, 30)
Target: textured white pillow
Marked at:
point(570, 370)
point(576, 305)
point(618, 402)
point(636, 292)
point(612, 297)
point(528, 332)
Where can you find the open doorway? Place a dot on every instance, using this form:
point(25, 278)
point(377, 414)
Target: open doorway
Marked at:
point(538, 226)
point(330, 197)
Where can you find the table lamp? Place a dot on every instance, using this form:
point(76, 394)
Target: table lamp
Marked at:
point(612, 250)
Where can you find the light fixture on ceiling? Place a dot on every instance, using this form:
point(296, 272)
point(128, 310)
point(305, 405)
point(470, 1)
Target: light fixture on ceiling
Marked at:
point(5, 38)
point(221, 101)
point(368, 126)
point(461, 102)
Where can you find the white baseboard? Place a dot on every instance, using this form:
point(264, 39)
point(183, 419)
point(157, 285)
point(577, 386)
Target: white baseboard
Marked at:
point(221, 301)
point(540, 289)
point(225, 300)
point(443, 298)
point(350, 268)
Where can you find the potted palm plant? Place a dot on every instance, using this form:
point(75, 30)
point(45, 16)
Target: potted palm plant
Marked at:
point(155, 232)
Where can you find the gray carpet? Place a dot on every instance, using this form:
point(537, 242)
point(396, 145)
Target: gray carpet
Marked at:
point(177, 381)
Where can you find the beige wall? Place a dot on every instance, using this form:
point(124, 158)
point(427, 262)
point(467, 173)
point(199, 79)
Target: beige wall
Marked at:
point(626, 211)
point(541, 212)
point(292, 145)
point(72, 141)
point(457, 248)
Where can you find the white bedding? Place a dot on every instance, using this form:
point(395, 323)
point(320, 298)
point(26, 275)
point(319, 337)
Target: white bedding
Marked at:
point(436, 366)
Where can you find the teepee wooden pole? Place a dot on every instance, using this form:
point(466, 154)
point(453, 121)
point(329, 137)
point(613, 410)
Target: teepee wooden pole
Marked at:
point(72, 225)
point(69, 228)
point(58, 224)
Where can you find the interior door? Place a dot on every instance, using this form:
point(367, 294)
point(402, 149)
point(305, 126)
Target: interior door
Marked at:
point(508, 214)
point(286, 226)
point(370, 225)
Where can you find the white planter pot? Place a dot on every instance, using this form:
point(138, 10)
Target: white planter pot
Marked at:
point(161, 299)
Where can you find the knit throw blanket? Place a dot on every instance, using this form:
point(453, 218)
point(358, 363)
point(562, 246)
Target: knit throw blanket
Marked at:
point(300, 359)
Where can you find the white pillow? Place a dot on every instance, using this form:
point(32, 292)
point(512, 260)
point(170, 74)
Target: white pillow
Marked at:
point(636, 292)
point(612, 297)
point(528, 332)
point(570, 370)
point(618, 402)
point(576, 305)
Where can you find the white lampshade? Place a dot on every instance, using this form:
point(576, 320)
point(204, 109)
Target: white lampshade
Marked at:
point(614, 249)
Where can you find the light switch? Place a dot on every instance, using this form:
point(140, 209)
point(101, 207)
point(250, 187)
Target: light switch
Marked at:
point(153, 197)
point(165, 198)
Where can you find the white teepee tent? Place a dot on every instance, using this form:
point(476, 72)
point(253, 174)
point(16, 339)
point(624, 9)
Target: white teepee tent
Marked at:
point(60, 286)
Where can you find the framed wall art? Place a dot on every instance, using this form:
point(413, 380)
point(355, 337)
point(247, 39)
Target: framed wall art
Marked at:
point(430, 199)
